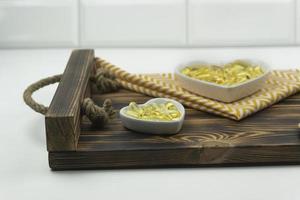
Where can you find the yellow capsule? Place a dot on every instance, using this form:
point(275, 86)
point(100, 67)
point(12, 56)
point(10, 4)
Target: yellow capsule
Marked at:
point(175, 115)
point(132, 113)
point(133, 106)
point(170, 106)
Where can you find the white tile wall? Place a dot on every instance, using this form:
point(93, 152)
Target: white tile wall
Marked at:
point(35, 23)
point(148, 23)
point(241, 22)
point(132, 22)
point(297, 21)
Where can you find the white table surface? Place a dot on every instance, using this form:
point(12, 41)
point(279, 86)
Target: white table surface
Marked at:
point(24, 170)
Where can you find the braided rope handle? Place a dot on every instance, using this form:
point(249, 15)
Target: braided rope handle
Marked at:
point(96, 114)
point(27, 95)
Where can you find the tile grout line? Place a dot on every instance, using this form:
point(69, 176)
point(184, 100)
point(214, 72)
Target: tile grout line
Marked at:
point(295, 22)
point(186, 23)
point(78, 23)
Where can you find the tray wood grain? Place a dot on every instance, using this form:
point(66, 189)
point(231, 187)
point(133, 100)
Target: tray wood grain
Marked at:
point(63, 117)
point(269, 137)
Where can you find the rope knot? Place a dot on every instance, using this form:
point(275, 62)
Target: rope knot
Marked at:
point(99, 116)
point(104, 81)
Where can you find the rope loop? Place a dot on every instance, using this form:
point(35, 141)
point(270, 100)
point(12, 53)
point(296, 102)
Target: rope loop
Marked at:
point(99, 116)
point(27, 95)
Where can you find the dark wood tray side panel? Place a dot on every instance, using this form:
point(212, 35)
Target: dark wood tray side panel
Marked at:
point(184, 157)
point(63, 117)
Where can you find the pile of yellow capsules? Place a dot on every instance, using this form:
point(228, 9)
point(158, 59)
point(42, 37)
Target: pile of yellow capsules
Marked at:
point(154, 111)
point(227, 75)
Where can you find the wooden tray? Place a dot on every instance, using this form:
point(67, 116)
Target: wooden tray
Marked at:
point(268, 137)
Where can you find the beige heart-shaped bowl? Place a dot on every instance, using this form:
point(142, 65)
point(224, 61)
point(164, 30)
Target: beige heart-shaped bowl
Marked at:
point(154, 126)
point(219, 92)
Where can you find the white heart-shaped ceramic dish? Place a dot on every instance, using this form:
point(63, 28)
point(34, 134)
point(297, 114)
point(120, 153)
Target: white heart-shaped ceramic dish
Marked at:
point(154, 127)
point(219, 92)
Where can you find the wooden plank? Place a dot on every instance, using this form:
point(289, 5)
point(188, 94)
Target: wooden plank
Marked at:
point(268, 137)
point(185, 157)
point(63, 117)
